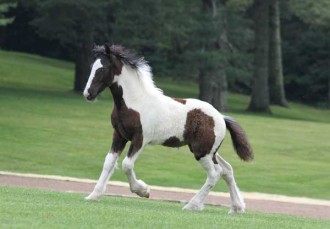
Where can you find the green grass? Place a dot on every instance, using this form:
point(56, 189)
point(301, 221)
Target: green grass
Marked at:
point(47, 129)
point(28, 208)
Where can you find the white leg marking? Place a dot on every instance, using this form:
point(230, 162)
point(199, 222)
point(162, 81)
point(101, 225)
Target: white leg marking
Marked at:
point(136, 186)
point(237, 201)
point(108, 169)
point(213, 175)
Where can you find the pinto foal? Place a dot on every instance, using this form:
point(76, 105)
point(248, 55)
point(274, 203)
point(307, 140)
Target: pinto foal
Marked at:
point(143, 115)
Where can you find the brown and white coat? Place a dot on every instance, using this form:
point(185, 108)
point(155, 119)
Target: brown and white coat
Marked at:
point(143, 115)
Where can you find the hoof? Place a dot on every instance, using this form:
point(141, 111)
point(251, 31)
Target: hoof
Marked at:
point(141, 189)
point(93, 196)
point(236, 210)
point(143, 193)
point(193, 207)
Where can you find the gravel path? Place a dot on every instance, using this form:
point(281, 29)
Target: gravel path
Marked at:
point(291, 206)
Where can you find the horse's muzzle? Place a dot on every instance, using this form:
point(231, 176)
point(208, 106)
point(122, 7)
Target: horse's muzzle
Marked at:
point(89, 95)
point(90, 98)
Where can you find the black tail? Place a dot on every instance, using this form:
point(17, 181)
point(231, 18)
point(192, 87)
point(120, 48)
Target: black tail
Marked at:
point(240, 141)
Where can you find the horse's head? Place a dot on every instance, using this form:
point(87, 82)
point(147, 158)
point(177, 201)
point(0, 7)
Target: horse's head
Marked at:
point(105, 67)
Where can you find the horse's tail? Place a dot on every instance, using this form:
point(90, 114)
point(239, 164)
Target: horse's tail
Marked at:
point(239, 139)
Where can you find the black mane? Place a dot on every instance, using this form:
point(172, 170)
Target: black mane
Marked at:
point(127, 56)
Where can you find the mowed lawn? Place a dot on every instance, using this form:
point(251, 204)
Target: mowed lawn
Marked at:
point(45, 128)
point(28, 208)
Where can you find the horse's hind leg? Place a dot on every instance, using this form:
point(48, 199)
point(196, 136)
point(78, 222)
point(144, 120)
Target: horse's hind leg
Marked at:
point(227, 173)
point(213, 175)
point(136, 186)
point(118, 145)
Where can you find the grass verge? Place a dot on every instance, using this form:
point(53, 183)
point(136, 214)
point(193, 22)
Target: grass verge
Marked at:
point(28, 208)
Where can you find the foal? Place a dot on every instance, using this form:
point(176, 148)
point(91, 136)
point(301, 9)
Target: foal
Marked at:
point(143, 115)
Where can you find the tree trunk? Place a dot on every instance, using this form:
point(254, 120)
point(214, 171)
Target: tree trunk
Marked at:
point(82, 69)
point(205, 77)
point(329, 92)
point(213, 80)
point(220, 95)
point(260, 92)
point(205, 92)
point(219, 98)
point(276, 85)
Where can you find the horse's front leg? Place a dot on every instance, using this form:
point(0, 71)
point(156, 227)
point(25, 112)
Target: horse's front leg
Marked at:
point(118, 145)
point(136, 186)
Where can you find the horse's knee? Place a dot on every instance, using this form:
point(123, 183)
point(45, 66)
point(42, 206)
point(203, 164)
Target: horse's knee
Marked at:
point(127, 165)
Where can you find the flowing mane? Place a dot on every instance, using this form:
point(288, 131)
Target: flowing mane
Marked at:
point(127, 56)
point(135, 62)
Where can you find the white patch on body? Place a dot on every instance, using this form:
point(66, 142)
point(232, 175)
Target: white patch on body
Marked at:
point(97, 65)
point(161, 116)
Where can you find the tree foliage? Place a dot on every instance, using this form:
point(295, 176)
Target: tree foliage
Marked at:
point(5, 6)
point(306, 50)
point(211, 42)
point(311, 12)
point(75, 24)
point(20, 35)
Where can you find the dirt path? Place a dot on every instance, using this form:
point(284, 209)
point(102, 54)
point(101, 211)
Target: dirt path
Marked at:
point(255, 202)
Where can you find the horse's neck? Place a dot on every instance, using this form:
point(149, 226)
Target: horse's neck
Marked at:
point(117, 95)
point(135, 88)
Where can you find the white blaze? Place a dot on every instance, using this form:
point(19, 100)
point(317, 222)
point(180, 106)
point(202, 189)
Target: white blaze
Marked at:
point(97, 64)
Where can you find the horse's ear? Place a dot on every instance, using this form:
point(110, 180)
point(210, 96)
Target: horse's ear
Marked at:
point(107, 49)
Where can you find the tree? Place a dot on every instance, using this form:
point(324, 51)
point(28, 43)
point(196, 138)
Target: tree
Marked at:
point(213, 84)
point(276, 84)
point(22, 15)
point(306, 49)
point(179, 39)
point(260, 92)
point(329, 91)
point(5, 7)
point(140, 25)
point(75, 24)
point(268, 85)
point(316, 13)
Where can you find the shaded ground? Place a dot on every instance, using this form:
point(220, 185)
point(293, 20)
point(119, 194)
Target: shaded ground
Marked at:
point(254, 204)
